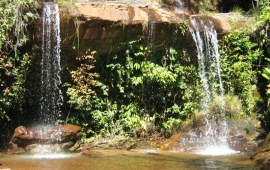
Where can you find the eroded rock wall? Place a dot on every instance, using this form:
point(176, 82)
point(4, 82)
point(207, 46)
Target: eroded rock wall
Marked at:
point(103, 27)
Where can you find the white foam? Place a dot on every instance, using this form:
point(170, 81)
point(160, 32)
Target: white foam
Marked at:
point(216, 151)
point(50, 156)
point(149, 151)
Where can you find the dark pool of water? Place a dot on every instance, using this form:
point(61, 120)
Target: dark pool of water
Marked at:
point(128, 160)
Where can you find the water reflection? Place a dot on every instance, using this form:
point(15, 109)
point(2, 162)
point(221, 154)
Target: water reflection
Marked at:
point(131, 160)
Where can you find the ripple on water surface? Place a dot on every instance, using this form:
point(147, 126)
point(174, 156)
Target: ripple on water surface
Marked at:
point(123, 160)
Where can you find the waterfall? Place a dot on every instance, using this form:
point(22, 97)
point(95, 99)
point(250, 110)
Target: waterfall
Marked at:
point(51, 98)
point(212, 136)
point(152, 36)
point(208, 60)
point(179, 6)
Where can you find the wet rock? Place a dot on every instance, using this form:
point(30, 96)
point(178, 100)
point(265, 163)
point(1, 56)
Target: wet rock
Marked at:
point(58, 137)
point(31, 147)
point(241, 143)
point(172, 143)
point(76, 146)
point(66, 145)
point(221, 26)
point(238, 136)
point(43, 149)
point(51, 148)
point(13, 149)
point(262, 157)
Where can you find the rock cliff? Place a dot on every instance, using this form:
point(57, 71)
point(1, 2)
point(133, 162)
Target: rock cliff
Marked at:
point(104, 26)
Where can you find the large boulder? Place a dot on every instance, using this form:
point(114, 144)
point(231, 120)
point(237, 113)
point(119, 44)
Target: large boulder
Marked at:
point(43, 135)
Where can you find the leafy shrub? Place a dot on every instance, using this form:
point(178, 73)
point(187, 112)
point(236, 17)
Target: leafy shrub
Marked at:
point(238, 54)
point(233, 107)
point(134, 94)
point(15, 16)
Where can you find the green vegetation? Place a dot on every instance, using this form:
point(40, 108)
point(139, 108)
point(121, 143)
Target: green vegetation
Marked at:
point(245, 63)
point(68, 7)
point(136, 94)
point(238, 54)
point(16, 16)
point(237, 9)
point(263, 40)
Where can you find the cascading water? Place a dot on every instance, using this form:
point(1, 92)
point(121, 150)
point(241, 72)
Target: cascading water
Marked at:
point(212, 137)
point(208, 60)
point(51, 98)
point(152, 36)
point(179, 6)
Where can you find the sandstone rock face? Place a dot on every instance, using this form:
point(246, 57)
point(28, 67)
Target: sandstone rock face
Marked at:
point(58, 137)
point(129, 15)
point(138, 3)
point(221, 26)
point(104, 27)
point(120, 12)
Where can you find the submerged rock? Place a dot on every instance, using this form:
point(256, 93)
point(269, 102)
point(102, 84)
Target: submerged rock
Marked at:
point(56, 138)
point(91, 153)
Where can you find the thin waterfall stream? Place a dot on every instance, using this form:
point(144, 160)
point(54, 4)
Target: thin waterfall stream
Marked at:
point(152, 36)
point(208, 60)
point(51, 98)
point(179, 5)
point(213, 138)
